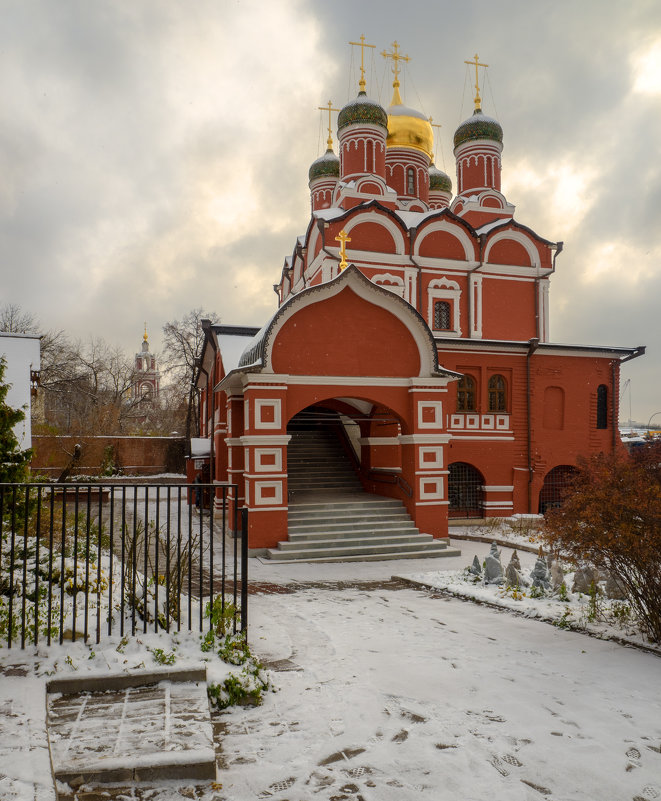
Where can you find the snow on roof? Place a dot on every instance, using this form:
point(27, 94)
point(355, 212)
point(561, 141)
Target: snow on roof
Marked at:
point(328, 214)
point(231, 347)
point(411, 219)
point(483, 229)
point(199, 446)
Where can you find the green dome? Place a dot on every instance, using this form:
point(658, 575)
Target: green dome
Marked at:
point(364, 111)
point(326, 165)
point(478, 127)
point(439, 181)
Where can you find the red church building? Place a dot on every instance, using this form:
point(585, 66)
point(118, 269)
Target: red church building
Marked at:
point(407, 375)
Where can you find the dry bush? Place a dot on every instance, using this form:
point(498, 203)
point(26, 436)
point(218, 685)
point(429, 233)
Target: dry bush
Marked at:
point(611, 518)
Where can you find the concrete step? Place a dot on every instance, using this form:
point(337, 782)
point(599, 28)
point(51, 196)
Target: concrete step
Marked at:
point(377, 539)
point(363, 501)
point(362, 553)
point(354, 517)
point(368, 529)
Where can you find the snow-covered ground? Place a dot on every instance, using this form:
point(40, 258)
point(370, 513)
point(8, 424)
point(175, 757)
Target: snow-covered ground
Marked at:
point(392, 691)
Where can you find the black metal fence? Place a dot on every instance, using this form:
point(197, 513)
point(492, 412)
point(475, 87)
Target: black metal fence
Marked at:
point(82, 560)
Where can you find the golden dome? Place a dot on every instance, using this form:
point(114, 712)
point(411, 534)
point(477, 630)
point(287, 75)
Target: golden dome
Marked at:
point(408, 127)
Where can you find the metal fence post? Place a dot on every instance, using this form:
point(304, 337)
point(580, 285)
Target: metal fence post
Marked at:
point(244, 570)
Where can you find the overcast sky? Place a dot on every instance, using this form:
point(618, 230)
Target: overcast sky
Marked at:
point(154, 154)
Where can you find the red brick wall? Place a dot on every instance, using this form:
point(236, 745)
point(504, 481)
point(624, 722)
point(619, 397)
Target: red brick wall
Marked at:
point(135, 455)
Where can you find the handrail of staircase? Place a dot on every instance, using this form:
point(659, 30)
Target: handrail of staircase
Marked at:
point(390, 477)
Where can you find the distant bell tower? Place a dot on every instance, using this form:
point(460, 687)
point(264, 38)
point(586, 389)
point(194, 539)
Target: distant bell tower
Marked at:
point(146, 381)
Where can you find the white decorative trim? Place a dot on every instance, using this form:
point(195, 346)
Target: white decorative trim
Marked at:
point(516, 236)
point(260, 476)
point(378, 219)
point(437, 409)
point(379, 440)
point(498, 504)
point(393, 283)
point(487, 421)
point(444, 289)
point(268, 508)
point(475, 303)
point(268, 403)
point(460, 437)
point(494, 488)
point(433, 464)
point(452, 228)
point(260, 486)
point(432, 503)
point(424, 439)
point(276, 467)
point(263, 439)
point(433, 494)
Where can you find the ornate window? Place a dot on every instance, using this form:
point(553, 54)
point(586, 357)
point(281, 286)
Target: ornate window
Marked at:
point(466, 394)
point(442, 315)
point(497, 394)
point(602, 406)
point(410, 181)
point(443, 289)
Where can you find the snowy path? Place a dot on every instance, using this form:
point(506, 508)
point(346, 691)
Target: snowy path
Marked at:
point(402, 695)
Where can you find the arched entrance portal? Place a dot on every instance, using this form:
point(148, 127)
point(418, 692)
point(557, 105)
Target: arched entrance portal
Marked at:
point(465, 484)
point(556, 485)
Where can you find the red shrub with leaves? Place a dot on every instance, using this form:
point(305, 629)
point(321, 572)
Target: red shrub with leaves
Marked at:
point(611, 518)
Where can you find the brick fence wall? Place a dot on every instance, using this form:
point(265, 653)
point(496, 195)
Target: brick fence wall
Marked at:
point(135, 455)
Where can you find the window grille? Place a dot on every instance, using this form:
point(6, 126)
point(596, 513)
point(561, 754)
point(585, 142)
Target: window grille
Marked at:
point(466, 394)
point(497, 394)
point(465, 490)
point(556, 485)
point(442, 313)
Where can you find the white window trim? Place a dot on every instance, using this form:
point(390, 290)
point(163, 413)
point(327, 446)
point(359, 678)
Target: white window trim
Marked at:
point(444, 289)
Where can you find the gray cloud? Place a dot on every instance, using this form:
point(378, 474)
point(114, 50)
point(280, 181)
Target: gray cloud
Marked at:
point(154, 155)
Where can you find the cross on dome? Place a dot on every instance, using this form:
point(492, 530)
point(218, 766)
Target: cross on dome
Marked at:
point(396, 58)
point(475, 61)
point(329, 108)
point(362, 45)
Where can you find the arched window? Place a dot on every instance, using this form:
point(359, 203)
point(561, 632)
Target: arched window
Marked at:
point(410, 181)
point(602, 406)
point(442, 315)
point(466, 394)
point(557, 484)
point(465, 484)
point(497, 394)
point(369, 154)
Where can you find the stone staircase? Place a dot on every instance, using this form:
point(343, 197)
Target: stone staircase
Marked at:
point(331, 518)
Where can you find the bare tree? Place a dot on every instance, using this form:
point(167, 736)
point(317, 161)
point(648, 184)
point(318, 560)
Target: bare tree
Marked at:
point(182, 344)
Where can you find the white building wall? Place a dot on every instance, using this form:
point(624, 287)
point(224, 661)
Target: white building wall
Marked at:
point(22, 354)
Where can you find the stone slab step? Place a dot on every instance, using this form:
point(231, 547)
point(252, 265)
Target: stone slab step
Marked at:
point(375, 557)
point(367, 529)
point(359, 518)
point(377, 538)
point(362, 501)
point(336, 550)
point(136, 731)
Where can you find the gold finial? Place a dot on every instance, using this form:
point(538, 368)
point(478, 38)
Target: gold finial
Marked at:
point(396, 58)
point(478, 99)
point(329, 108)
point(342, 238)
point(362, 45)
point(434, 125)
point(144, 336)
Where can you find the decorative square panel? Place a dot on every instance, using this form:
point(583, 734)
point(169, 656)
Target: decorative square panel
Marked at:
point(430, 414)
point(503, 421)
point(430, 458)
point(473, 421)
point(268, 493)
point(487, 421)
point(267, 413)
point(268, 460)
point(431, 489)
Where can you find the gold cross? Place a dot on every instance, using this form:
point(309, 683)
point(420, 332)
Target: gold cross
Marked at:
point(329, 108)
point(362, 46)
point(478, 100)
point(435, 125)
point(342, 238)
point(395, 56)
